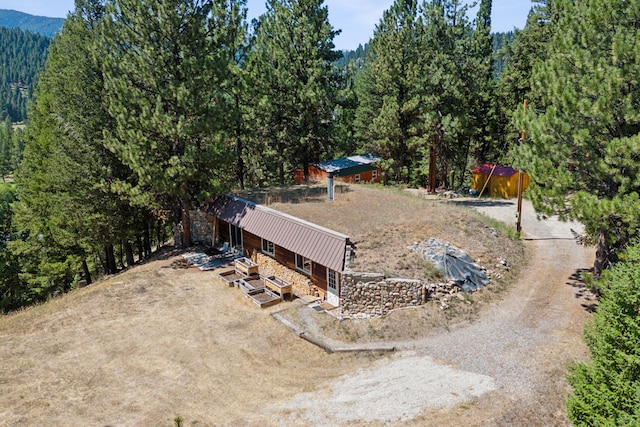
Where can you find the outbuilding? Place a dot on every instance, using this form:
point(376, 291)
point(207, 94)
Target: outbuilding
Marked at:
point(352, 169)
point(307, 255)
point(498, 181)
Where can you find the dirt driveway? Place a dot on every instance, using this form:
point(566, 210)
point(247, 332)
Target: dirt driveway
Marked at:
point(505, 369)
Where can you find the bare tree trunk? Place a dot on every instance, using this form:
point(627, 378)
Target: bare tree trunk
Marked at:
point(128, 252)
point(140, 248)
point(239, 147)
point(186, 223)
point(86, 272)
point(146, 240)
point(603, 253)
point(431, 188)
point(110, 259)
point(159, 236)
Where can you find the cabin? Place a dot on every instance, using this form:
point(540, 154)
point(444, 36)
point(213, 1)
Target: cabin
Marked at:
point(352, 170)
point(498, 181)
point(310, 257)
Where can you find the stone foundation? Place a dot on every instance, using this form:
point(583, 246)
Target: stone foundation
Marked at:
point(301, 284)
point(372, 295)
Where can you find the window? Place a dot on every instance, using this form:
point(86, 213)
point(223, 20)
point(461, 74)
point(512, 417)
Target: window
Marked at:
point(332, 280)
point(267, 247)
point(357, 178)
point(374, 174)
point(303, 264)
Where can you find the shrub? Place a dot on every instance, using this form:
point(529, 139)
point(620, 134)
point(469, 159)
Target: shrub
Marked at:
point(606, 389)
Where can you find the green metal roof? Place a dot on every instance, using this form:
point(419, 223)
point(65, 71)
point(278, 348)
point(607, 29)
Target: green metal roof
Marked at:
point(349, 165)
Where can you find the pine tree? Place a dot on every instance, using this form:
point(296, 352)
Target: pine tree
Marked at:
point(486, 123)
point(582, 156)
point(446, 68)
point(528, 49)
point(67, 214)
point(387, 120)
point(165, 70)
point(295, 84)
point(12, 289)
point(606, 389)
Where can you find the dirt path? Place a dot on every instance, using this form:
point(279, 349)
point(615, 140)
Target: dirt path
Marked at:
point(507, 368)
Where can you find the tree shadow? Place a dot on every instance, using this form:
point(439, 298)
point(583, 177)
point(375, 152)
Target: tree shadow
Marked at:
point(478, 203)
point(588, 299)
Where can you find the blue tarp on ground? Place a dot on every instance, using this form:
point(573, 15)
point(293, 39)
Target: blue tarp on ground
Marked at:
point(453, 262)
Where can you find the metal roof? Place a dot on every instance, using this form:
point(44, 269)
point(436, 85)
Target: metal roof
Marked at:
point(319, 244)
point(486, 169)
point(348, 165)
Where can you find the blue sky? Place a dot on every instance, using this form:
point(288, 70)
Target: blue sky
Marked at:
point(356, 18)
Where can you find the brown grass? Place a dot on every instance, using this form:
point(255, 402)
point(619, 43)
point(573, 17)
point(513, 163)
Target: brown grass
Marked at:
point(151, 344)
point(158, 341)
point(384, 222)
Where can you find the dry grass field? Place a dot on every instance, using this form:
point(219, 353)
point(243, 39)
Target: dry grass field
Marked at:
point(151, 344)
point(160, 340)
point(384, 222)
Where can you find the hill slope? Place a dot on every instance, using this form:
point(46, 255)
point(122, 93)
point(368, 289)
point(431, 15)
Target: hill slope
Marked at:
point(22, 57)
point(35, 24)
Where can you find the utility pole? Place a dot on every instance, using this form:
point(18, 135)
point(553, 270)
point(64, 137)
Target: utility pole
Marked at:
point(519, 211)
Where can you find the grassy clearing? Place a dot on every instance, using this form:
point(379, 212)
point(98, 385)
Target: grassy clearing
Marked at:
point(159, 341)
point(383, 222)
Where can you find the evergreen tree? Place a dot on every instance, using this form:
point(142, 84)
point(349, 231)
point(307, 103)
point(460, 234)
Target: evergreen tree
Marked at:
point(414, 97)
point(68, 217)
point(583, 148)
point(166, 66)
point(606, 389)
point(486, 123)
point(22, 57)
point(389, 93)
point(448, 100)
point(12, 290)
point(6, 142)
point(295, 85)
point(239, 49)
point(528, 48)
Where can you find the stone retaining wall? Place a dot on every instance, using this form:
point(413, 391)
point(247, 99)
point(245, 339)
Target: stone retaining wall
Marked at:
point(371, 295)
point(301, 284)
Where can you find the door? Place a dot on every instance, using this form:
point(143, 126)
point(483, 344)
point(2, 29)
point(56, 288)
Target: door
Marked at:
point(236, 237)
point(333, 288)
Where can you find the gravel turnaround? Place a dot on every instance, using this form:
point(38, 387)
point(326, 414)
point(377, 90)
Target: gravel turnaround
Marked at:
point(511, 352)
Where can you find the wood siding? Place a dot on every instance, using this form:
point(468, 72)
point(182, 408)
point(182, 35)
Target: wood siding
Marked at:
point(288, 259)
point(365, 177)
point(319, 276)
point(250, 243)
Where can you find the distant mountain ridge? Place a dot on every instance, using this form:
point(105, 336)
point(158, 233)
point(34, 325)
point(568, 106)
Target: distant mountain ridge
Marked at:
point(35, 24)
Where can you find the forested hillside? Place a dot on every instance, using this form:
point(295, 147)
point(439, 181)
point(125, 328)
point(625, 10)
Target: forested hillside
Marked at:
point(22, 57)
point(34, 24)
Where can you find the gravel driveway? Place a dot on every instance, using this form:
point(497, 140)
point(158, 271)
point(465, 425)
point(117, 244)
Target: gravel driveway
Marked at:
point(506, 368)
